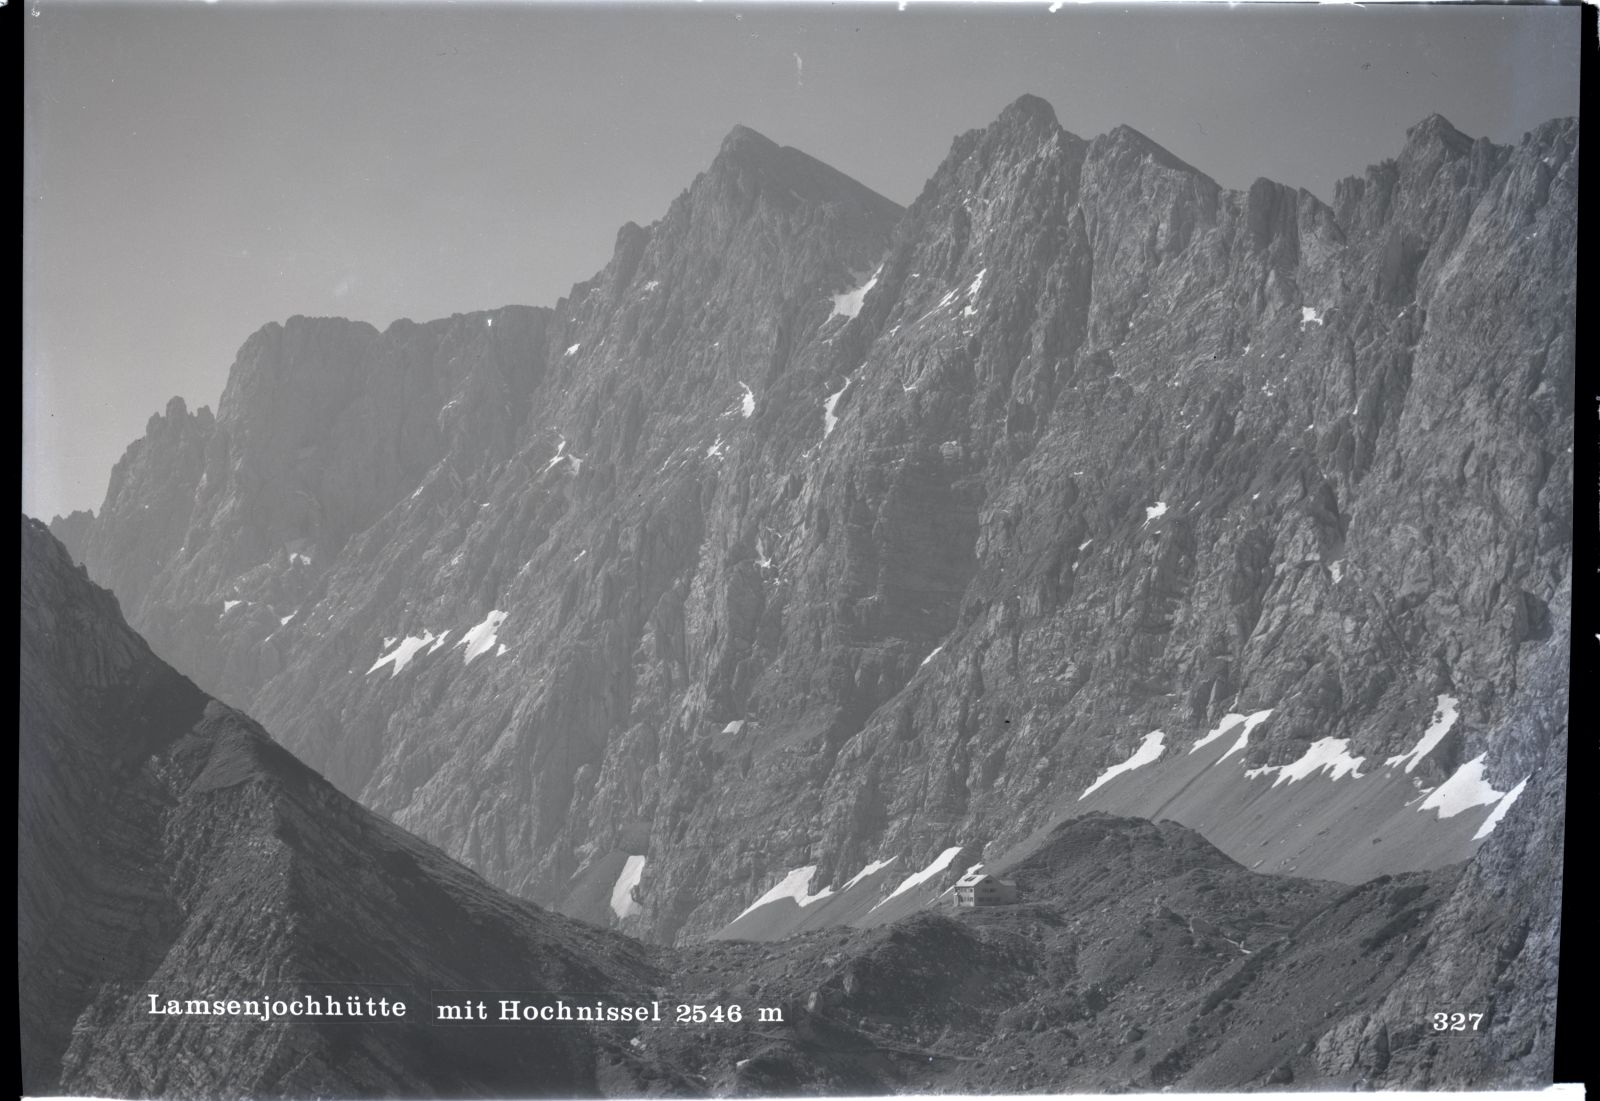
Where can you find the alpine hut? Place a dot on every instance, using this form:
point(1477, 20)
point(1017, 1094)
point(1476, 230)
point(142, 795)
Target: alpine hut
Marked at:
point(982, 889)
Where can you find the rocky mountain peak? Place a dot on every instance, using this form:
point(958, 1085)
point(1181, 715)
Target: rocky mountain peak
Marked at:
point(750, 164)
point(1023, 150)
point(1029, 111)
point(73, 531)
point(1437, 130)
point(1022, 128)
point(176, 418)
point(1123, 142)
point(743, 141)
point(311, 358)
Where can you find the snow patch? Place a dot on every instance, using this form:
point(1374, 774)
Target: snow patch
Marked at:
point(1444, 717)
point(1309, 316)
point(1465, 789)
point(1149, 751)
point(748, 406)
point(622, 902)
point(298, 559)
point(229, 605)
point(283, 621)
point(402, 654)
point(972, 293)
point(873, 866)
point(561, 453)
point(849, 303)
point(1250, 723)
point(1500, 809)
point(572, 349)
point(932, 654)
point(561, 456)
point(1226, 724)
point(1155, 511)
point(1336, 568)
point(481, 639)
point(828, 418)
point(795, 885)
point(438, 642)
point(1330, 755)
point(940, 863)
point(715, 450)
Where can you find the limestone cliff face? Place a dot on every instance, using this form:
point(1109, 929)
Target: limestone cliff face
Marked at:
point(952, 508)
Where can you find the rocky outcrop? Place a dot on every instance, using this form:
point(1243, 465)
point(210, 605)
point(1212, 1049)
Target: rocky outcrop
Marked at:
point(1139, 958)
point(810, 533)
point(73, 531)
point(1494, 946)
point(167, 846)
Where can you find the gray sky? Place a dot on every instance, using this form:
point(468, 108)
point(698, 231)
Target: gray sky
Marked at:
point(196, 171)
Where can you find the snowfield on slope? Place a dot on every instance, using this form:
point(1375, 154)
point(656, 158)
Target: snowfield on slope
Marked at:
point(622, 903)
point(849, 303)
point(828, 418)
point(940, 863)
point(481, 639)
point(1466, 788)
point(1444, 717)
point(1149, 750)
point(872, 866)
point(1227, 723)
point(795, 885)
point(402, 654)
point(1500, 809)
point(1330, 755)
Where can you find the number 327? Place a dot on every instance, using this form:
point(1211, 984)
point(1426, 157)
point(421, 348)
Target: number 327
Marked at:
point(1456, 1022)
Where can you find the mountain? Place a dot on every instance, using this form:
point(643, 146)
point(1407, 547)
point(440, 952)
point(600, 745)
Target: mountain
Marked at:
point(812, 538)
point(169, 849)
